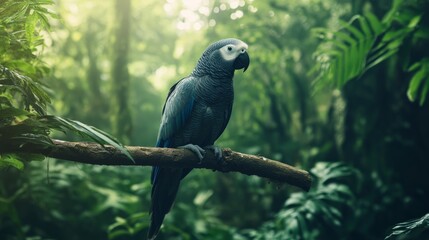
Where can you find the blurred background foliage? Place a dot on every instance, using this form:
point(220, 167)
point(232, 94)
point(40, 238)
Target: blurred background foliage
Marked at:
point(335, 86)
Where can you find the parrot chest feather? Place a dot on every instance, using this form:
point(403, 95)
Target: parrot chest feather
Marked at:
point(205, 126)
point(209, 112)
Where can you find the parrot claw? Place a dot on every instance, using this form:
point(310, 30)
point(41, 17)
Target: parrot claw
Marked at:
point(195, 149)
point(217, 152)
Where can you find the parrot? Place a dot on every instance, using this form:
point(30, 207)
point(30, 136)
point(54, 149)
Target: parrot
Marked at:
point(196, 112)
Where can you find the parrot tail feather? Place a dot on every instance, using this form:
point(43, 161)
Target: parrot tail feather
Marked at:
point(155, 225)
point(164, 190)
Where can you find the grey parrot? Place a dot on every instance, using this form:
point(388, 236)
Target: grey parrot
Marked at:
point(195, 114)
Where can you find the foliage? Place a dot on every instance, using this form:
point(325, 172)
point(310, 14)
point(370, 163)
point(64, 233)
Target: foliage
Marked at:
point(349, 50)
point(321, 213)
point(23, 97)
point(373, 136)
point(413, 229)
point(366, 41)
point(44, 193)
point(419, 85)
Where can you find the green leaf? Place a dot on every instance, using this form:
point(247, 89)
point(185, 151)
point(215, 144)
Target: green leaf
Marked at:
point(348, 50)
point(5, 101)
point(364, 25)
point(353, 30)
point(375, 60)
point(344, 37)
point(413, 229)
point(390, 16)
point(424, 92)
point(323, 206)
point(415, 66)
point(376, 25)
point(419, 81)
point(84, 130)
point(9, 160)
point(414, 84)
point(359, 48)
point(414, 21)
point(31, 91)
point(30, 26)
point(12, 112)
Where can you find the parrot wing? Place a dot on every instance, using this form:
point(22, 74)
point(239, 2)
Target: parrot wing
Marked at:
point(175, 113)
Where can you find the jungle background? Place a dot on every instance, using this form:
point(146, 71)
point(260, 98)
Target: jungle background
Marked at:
point(336, 87)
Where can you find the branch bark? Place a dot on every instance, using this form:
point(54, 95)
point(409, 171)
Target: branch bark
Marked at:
point(93, 153)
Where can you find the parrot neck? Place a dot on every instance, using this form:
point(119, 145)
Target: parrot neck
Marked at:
point(213, 91)
point(216, 71)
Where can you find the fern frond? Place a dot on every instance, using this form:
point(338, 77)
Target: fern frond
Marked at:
point(344, 53)
point(419, 84)
point(361, 44)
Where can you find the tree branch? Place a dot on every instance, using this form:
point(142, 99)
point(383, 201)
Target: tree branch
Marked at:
point(93, 153)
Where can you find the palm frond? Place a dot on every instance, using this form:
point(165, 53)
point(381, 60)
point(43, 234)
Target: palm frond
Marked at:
point(413, 229)
point(344, 54)
point(63, 124)
point(360, 44)
point(419, 84)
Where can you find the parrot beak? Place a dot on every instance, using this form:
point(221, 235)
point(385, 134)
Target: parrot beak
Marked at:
point(242, 61)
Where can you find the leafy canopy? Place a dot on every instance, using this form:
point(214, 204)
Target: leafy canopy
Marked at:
point(366, 41)
point(23, 97)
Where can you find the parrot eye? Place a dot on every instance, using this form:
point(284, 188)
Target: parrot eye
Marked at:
point(232, 51)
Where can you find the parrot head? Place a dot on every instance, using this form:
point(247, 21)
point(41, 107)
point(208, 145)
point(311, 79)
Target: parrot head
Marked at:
point(236, 51)
point(223, 57)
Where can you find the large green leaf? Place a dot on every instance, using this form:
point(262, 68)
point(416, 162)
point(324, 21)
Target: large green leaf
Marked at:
point(351, 46)
point(419, 84)
point(95, 134)
point(324, 207)
point(361, 44)
point(10, 161)
point(410, 230)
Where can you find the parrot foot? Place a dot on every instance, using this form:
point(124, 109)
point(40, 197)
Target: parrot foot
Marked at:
point(217, 152)
point(195, 149)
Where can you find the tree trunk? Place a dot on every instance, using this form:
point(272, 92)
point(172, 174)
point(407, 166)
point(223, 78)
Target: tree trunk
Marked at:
point(121, 79)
